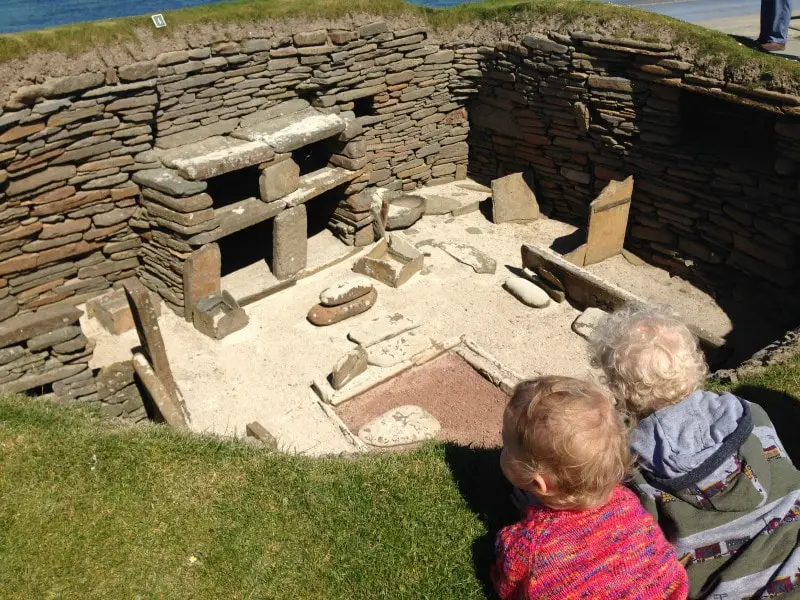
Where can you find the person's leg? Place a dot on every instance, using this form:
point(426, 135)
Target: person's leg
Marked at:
point(775, 18)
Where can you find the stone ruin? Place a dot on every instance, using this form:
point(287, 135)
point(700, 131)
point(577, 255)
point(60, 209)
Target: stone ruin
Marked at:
point(218, 175)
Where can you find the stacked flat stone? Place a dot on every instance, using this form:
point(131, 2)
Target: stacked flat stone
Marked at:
point(44, 348)
point(119, 394)
point(342, 301)
point(67, 151)
point(581, 110)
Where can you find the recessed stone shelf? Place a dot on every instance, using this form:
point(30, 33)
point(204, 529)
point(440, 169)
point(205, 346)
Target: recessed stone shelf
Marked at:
point(251, 211)
point(237, 216)
point(319, 182)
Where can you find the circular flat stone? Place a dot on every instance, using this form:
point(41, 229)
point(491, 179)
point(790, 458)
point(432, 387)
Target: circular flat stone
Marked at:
point(345, 291)
point(407, 424)
point(527, 292)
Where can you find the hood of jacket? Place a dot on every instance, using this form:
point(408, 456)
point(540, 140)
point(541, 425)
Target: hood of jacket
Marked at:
point(683, 444)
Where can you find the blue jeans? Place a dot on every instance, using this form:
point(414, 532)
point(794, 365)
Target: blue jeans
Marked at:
point(775, 17)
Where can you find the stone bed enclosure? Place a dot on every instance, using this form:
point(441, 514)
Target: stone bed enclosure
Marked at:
point(152, 169)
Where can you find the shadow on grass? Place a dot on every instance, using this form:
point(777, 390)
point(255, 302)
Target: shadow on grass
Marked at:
point(476, 472)
point(784, 412)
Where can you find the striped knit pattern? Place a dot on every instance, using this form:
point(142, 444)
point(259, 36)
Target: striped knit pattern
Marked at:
point(613, 552)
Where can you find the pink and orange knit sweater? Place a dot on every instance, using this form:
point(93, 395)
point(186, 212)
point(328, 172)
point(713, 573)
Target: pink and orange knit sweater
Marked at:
point(614, 552)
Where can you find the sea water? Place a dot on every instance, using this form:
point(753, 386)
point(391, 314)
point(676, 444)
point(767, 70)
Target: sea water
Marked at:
point(20, 15)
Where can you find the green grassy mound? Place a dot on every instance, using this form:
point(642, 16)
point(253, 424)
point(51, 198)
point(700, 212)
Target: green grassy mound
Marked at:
point(710, 45)
point(93, 510)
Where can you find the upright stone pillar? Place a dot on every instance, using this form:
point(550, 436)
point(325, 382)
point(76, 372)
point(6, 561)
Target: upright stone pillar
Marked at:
point(289, 242)
point(201, 276)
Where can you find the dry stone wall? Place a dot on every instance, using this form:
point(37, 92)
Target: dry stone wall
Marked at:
point(84, 203)
point(715, 164)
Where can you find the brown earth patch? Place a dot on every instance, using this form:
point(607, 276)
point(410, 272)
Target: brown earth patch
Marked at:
point(469, 408)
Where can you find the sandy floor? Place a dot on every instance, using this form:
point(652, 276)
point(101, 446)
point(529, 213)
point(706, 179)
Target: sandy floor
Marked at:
point(469, 408)
point(263, 372)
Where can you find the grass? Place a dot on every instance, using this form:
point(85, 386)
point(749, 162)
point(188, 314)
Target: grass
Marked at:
point(93, 510)
point(777, 389)
point(713, 46)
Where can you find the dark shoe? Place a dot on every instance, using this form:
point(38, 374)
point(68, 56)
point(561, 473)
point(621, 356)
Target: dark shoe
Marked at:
point(773, 47)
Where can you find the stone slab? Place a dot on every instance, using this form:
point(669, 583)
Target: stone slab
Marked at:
point(347, 368)
point(513, 199)
point(253, 282)
point(397, 349)
point(608, 221)
point(145, 318)
point(480, 262)
point(290, 132)
point(317, 183)
point(400, 426)
point(278, 180)
point(53, 337)
point(441, 205)
point(169, 182)
point(381, 328)
point(257, 431)
point(27, 326)
point(586, 322)
point(201, 277)
point(237, 216)
point(113, 312)
point(215, 156)
point(37, 380)
point(289, 242)
point(171, 408)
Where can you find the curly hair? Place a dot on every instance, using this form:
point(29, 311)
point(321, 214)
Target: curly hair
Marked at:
point(567, 430)
point(649, 357)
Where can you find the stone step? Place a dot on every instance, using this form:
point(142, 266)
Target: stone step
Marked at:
point(238, 216)
point(215, 156)
point(317, 183)
point(293, 131)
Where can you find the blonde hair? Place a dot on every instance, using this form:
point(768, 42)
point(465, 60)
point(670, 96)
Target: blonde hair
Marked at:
point(650, 358)
point(568, 431)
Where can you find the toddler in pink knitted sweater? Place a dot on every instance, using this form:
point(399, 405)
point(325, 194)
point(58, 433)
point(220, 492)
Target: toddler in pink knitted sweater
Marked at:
point(585, 536)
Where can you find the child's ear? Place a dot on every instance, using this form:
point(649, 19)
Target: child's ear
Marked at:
point(539, 485)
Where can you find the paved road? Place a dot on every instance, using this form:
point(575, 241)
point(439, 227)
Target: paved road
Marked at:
point(696, 11)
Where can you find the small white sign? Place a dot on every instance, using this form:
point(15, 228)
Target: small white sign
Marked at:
point(159, 21)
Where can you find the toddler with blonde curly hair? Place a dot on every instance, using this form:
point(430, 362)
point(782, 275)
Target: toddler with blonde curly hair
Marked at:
point(585, 535)
point(711, 467)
